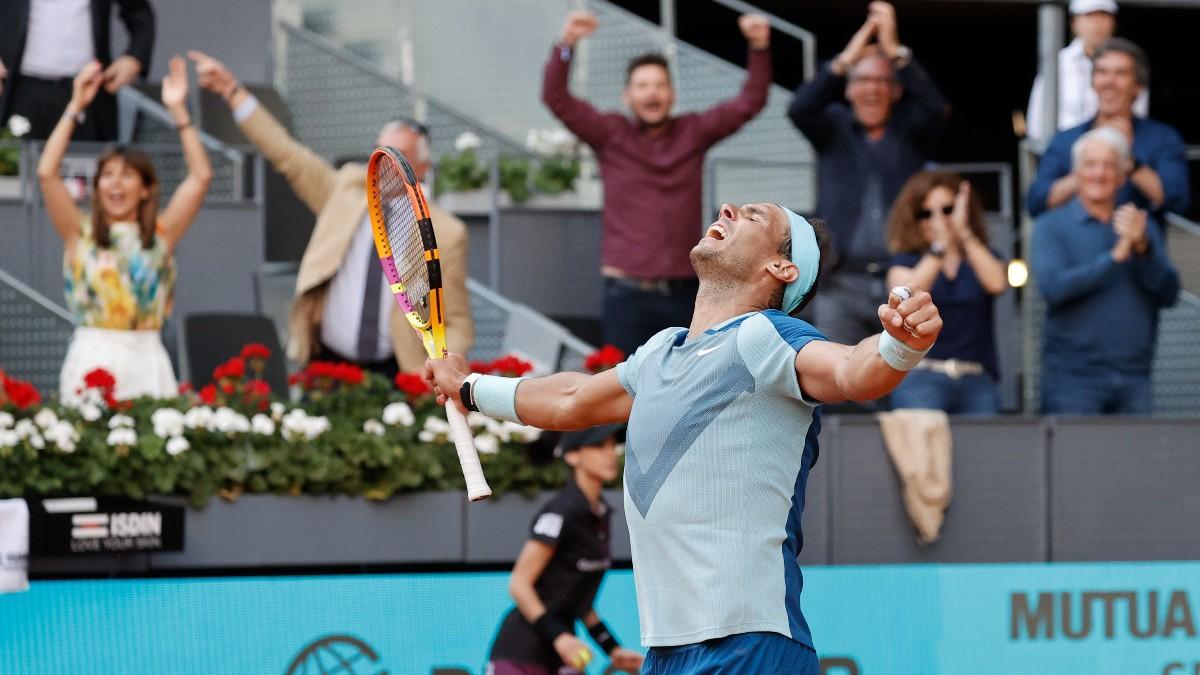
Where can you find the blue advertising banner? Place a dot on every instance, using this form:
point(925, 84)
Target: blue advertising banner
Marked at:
point(1063, 619)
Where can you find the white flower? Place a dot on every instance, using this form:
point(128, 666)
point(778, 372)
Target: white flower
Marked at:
point(398, 414)
point(487, 444)
point(45, 418)
point(437, 425)
point(198, 418)
point(177, 445)
point(168, 422)
point(6, 420)
point(277, 410)
point(65, 445)
point(118, 420)
point(19, 126)
point(521, 432)
point(315, 426)
point(297, 423)
point(228, 420)
point(374, 426)
point(59, 430)
point(90, 412)
point(9, 439)
point(467, 140)
point(37, 441)
point(262, 425)
point(122, 436)
point(25, 428)
point(477, 420)
point(426, 436)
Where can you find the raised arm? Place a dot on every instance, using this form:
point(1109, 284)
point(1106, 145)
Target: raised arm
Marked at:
point(189, 196)
point(810, 110)
point(312, 178)
point(727, 117)
point(579, 116)
point(60, 206)
point(562, 401)
point(831, 372)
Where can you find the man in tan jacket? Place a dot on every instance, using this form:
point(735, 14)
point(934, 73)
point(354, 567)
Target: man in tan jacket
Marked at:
point(342, 299)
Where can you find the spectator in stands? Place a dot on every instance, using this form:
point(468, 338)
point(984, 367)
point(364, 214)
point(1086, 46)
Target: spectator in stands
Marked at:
point(1092, 23)
point(937, 232)
point(1159, 180)
point(45, 43)
point(865, 153)
point(560, 567)
point(1104, 275)
point(653, 157)
point(119, 260)
point(343, 309)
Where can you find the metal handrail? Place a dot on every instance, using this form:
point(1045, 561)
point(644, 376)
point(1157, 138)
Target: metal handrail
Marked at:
point(44, 302)
point(365, 65)
point(807, 38)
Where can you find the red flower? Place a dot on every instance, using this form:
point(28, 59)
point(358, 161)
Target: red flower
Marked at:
point(255, 350)
point(348, 373)
point(481, 367)
point(99, 379)
point(234, 369)
point(295, 379)
point(511, 366)
point(227, 388)
point(185, 388)
point(208, 395)
point(413, 385)
point(603, 359)
point(258, 388)
point(20, 394)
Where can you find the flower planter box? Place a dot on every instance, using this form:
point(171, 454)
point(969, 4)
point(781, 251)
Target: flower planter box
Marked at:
point(497, 528)
point(278, 530)
point(10, 188)
point(472, 202)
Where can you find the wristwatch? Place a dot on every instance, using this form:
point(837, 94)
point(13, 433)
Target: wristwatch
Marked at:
point(937, 249)
point(902, 57)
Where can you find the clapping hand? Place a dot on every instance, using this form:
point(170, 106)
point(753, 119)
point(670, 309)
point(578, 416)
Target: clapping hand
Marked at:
point(175, 85)
point(84, 88)
point(1129, 222)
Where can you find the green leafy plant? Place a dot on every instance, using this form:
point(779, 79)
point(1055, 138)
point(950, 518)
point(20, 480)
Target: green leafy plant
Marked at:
point(10, 153)
point(514, 177)
point(556, 174)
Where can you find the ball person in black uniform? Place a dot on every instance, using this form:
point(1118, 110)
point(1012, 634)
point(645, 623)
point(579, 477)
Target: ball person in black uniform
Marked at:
point(560, 567)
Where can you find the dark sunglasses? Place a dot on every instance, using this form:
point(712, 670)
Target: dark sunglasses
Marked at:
point(926, 214)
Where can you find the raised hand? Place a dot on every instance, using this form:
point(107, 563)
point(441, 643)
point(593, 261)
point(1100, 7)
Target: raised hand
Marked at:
point(212, 75)
point(175, 84)
point(85, 86)
point(960, 217)
point(579, 24)
point(121, 72)
point(756, 29)
point(1129, 222)
point(855, 48)
point(885, 17)
point(915, 321)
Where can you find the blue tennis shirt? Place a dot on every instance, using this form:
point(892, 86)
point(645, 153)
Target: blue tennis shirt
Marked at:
point(717, 455)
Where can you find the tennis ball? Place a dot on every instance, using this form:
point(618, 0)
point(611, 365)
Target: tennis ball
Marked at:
point(582, 659)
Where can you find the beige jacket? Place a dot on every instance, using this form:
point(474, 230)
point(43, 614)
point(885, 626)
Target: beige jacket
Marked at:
point(339, 198)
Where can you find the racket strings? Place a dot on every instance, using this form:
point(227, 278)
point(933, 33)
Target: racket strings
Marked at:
point(404, 235)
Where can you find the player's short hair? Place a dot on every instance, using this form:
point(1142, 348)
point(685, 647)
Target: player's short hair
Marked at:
point(650, 59)
point(785, 249)
point(1141, 64)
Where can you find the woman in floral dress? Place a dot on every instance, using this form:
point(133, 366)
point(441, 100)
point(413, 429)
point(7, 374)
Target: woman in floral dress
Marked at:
point(118, 260)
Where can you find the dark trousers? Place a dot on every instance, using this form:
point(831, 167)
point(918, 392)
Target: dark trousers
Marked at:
point(388, 368)
point(42, 102)
point(1110, 393)
point(632, 314)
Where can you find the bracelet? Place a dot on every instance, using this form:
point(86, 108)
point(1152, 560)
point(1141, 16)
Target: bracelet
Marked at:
point(897, 354)
point(550, 627)
point(467, 392)
point(234, 92)
point(496, 396)
point(185, 125)
point(604, 637)
point(76, 116)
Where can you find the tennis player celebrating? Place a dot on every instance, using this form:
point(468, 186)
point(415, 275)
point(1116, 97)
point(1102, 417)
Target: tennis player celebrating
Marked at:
point(714, 469)
point(560, 568)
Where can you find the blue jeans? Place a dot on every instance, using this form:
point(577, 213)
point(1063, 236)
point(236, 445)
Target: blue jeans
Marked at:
point(632, 316)
point(748, 653)
point(967, 395)
point(1096, 394)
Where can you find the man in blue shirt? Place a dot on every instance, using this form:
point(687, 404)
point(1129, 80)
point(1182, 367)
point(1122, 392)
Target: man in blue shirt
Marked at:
point(1104, 275)
point(1158, 180)
point(723, 422)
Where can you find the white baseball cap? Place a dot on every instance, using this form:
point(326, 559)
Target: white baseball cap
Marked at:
point(1088, 6)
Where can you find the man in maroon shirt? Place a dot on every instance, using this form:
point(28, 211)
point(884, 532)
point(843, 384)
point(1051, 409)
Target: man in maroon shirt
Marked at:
point(652, 158)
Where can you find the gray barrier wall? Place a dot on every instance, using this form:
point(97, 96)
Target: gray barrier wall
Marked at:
point(1025, 490)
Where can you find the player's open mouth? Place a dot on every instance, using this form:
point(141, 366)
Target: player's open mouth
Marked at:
point(716, 231)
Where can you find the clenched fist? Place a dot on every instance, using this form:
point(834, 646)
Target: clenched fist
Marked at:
point(579, 25)
point(915, 321)
point(756, 30)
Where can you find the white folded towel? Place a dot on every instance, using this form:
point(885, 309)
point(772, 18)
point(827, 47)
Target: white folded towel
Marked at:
point(14, 545)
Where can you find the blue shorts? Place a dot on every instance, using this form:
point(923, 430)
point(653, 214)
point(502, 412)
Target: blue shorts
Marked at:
point(749, 653)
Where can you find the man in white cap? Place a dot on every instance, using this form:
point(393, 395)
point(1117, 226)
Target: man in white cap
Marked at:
point(1092, 22)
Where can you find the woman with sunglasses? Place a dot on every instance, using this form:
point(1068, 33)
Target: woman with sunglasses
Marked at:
point(118, 259)
point(937, 234)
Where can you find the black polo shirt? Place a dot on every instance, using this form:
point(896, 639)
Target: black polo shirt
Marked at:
point(568, 585)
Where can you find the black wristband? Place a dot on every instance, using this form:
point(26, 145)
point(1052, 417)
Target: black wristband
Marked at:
point(466, 393)
point(604, 637)
point(549, 627)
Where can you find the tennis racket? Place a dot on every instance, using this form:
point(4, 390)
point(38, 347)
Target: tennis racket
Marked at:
point(408, 252)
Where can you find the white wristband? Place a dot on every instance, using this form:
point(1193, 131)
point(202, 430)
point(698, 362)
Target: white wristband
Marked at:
point(897, 354)
point(245, 109)
point(497, 396)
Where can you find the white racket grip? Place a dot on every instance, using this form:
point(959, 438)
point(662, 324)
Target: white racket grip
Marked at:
point(468, 456)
